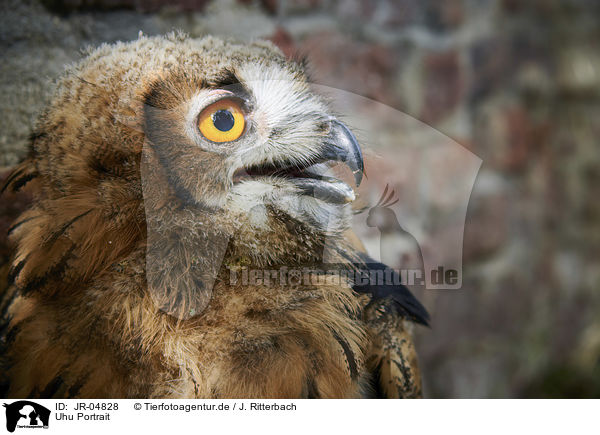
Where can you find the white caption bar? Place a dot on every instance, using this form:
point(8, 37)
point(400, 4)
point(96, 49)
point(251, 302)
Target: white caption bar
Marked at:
point(295, 416)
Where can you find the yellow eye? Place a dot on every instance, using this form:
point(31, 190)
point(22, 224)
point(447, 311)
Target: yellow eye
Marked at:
point(222, 121)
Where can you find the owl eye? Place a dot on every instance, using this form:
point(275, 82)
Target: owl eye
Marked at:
point(222, 121)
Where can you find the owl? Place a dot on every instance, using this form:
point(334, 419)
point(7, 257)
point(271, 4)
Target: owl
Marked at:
point(184, 211)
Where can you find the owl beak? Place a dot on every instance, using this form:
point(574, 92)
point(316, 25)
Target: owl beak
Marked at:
point(342, 146)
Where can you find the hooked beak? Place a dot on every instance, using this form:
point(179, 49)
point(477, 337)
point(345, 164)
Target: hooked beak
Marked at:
point(340, 145)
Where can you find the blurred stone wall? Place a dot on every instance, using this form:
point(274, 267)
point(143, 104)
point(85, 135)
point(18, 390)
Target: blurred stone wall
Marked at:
point(517, 83)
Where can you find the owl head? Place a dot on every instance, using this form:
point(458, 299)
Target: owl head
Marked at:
point(232, 130)
point(223, 147)
point(236, 128)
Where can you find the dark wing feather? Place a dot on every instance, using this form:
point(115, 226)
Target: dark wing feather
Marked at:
point(404, 301)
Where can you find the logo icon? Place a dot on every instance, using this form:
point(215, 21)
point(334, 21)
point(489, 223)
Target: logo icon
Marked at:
point(385, 219)
point(26, 414)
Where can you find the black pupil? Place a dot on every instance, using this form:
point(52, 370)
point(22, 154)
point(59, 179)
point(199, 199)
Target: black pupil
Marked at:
point(223, 120)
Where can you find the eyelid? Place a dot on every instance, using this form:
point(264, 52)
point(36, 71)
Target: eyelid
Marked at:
point(217, 95)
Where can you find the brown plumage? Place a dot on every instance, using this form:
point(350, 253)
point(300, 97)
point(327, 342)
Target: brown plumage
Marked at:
point(121, 280)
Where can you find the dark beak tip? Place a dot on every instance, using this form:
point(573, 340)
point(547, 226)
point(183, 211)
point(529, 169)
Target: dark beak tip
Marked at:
point(346, 149)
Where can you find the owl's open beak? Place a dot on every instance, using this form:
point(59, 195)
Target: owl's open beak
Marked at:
point(339, 146)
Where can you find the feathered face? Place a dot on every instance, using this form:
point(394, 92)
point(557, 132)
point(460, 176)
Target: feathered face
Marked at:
point(249, 137)
point(231, 136)
point(199, 152)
